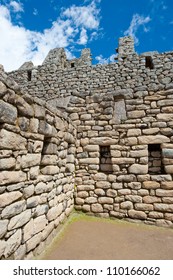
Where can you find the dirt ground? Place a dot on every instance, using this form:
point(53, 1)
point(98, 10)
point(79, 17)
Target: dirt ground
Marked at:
point(89, 238)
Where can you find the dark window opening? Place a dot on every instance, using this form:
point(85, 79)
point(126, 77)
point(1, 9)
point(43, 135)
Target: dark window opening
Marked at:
point(149, 62)
point(155, 164)
point(29, 72)
point(72, 65)
point(105, 159)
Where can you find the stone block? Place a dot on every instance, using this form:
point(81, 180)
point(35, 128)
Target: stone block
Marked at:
point(99, 192)
point(92, 148)
point(140, 153)
point(19, 220)
point(7, 163)
point(8, 113)
point(138, 169)
point(13, 209)
point(162, 193)
point(82, 194)
point(33, 242)
point(105, 200)
point(90, 200)
point(124, 192)
point(50, 170)
point(32, 201)
point(47, 230)
point(126, 205)
point(41, 188)
point(13, 243)
point(3, 89)
point(169, 169)
point(3, 227)
point(8, 198)
point(111, 193)
point(23, 107)
point(34, 226)
point(103, 185)
point(11, 177)
point(133, 132)
point(11, 140)
point(134, 198)
point(54, 212)
point(103, 141)
point(30, 160)
point(151, 185)
point(136, 114)
point(85, 161)
point(155, 215)
point(154, 139)
point(163, 207)
point(167, 185)
point(28, 191)
point(151, 199)
point(143, 207)
point(45, 129)
point(137, 214)
point(96, 208)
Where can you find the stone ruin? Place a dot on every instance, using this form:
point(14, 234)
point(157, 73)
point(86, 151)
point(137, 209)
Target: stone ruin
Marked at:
point(95, 138)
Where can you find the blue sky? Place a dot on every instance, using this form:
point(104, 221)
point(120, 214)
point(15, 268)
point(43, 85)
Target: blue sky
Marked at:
point(30, 28)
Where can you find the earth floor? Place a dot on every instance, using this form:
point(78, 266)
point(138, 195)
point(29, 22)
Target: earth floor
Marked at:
point(90, 238)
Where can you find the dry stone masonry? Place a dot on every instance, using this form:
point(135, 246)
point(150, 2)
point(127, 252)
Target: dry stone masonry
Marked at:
point(97, 138)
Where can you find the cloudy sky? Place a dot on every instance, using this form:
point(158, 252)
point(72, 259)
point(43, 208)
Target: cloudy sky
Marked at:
point(30, 28)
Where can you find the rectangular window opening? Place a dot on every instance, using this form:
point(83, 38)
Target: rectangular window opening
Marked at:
point(105, 160)
point(155, 164)
point(29, 73)
point(149, 62)
point(72, 65)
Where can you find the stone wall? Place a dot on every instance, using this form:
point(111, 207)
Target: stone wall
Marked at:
point(124, 118)
point(37, 154)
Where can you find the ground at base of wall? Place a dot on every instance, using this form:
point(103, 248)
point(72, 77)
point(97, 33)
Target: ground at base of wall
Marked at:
point(90, 238)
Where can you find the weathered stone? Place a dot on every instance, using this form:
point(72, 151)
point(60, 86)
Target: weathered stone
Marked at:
point(11, 140)
point(54, 212)
point(103, 185)
point(33, 242)
point(30, 160)
point(151, 185)
point(161, 193)
point(41, 210)
point(8, 198)
point(47, 230)
point(100, 177)
point(34, 226)
point(3, 227)
point(143, 207)
point(111, 193)
point(169, 169)
point(105, 200)
point(138, 169)
point(8, 113)
point(13, 243)
point(50, 170)
point(96, 208)
point(90, 200)
point(151, 199)
point(163, 207)
point(84, 161)
point(11, 177)
point(127, 205)
point(137, 214)
point(13, 209)
point(23, 107)
point(19, 220)
point(155, 139)
point(19, 254)
point(28, 191)
point(167, 185)
point(124, 192)
point(40, 188)
point(7, 163)
point(134, 198)
point(32, 201)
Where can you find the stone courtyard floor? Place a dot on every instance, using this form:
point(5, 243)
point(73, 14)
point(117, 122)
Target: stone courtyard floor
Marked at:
point(89, 238)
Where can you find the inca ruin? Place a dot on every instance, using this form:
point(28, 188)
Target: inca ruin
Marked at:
point(94, 138)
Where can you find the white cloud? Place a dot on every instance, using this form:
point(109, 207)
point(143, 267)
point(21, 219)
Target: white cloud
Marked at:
point(16, 6)
point(102, 60)
point(136, 22)
point(86, 16)
point(83, 37)
point(20, 44)
point(35, 12)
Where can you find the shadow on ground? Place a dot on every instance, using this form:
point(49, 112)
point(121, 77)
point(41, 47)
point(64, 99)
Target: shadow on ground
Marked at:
point(89, 238)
